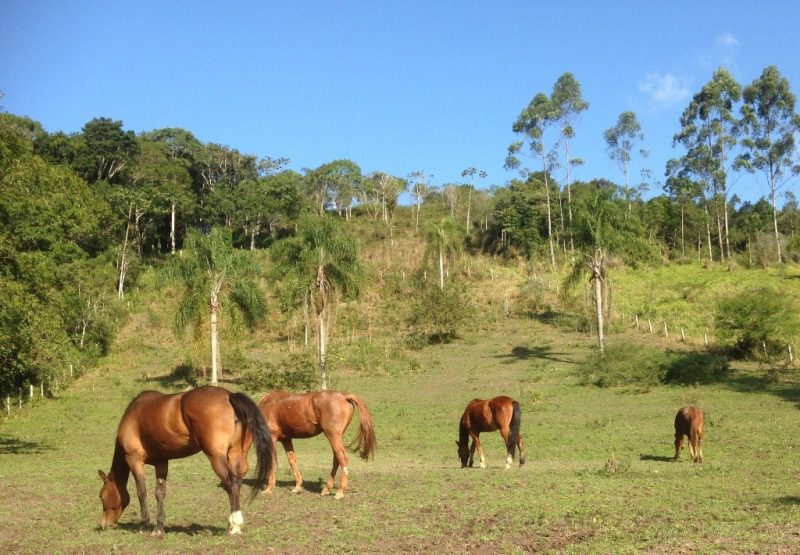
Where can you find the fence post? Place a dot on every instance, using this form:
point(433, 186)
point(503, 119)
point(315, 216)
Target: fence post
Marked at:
point(650, 325)
point(683, 335)
point(666, 332)
point(705, 340)
point(791, 356)
point(637, 321)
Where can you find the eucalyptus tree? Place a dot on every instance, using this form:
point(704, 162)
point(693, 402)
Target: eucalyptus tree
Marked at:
point(531, 124)
point(319, 264)
point(443, 240)
point(420, 186)
point(570, 103)
point(470, 174)
point(709, 132)
point(620, 141)
point(769, 124)
point(683, 191)
point(214, 276)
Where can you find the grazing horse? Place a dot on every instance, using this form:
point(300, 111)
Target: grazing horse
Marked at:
point(296, 416)
point(689, 423)
point(157, 427)
point(500, 413)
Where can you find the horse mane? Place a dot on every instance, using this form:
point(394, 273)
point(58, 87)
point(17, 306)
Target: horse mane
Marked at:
point(463, 432)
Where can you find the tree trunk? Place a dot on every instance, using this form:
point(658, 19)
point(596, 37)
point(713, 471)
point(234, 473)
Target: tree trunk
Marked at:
point(549, 221)
point(215, 357)
point(469, 206)
point(172, 229)
point(597, 277)
point(323, 368)
point(441, 269)
point(775, 222)
point(708, 236)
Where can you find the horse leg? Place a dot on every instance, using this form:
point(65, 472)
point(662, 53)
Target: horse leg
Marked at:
point(678, 445)
point(339, 459)
point(476, 444)
point(161, 492)
point(700, 446)
point(231, 482)
point(271, 477)
point(292, 457)
point(471, 453)
point(137, 469)
point(520, 446)
point(504, 432)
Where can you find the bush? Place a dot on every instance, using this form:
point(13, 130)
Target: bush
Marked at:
point(691, 368)
point(749, 321)
point(436, 315)
point(624, 364)
point(298, 372)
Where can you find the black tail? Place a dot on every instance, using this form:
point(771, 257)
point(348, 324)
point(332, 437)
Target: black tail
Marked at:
point(248, 412)
point(516, 419)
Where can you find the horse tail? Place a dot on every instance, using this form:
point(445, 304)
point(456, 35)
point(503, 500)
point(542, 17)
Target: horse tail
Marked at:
point(364, 442)
point(516, 419)
point(249, 414)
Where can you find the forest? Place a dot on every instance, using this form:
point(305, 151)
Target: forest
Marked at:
point(86, 218)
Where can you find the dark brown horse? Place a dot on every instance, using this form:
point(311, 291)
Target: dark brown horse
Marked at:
point(157, 427)
point(689, 423)
point(500, 413)
point(296, 416)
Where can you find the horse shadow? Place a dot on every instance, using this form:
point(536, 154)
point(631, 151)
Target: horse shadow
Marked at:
point(788, 500)
point(312, 487)
point(656, 458)
point(14, 446)
point(187, 530)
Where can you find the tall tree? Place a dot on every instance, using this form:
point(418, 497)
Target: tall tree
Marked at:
point(709, 132)
point(531, 124)
point(443, 239)
point(568, 99)
point(620, 141)
point(320, 262)
point(214, 275)
point(770, 123)
point(420, 185)
point(470, 174)
point(108, 149)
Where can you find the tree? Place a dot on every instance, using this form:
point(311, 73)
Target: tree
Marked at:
point(770, 122)
point(320, 263)
point(108, 149)
point(570, 103)
point(469, 174)
point(532, 124)
point(444, 239)
point(214, 275)
point(709, 131)
point(620, 140)
point(420, 185)
point(601, 230)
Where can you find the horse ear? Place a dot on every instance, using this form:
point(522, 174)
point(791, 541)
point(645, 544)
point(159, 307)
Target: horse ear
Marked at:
point(102, 475)
point(458, 444)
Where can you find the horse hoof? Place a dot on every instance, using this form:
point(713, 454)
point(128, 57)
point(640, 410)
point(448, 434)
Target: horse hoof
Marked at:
point(157, 533)
point(235, 531)
point(297, 490)
point(339, 495)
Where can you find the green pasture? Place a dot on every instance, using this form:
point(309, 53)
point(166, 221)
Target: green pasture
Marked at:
point(599, 476)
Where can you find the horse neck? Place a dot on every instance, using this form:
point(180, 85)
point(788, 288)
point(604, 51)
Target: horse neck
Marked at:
point(463, 433)
point(119, 466)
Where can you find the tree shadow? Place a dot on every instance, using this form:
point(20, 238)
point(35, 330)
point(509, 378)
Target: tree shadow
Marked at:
point(788, 500)
point(656, 458)
point(768, 382)
point(521, 352)
point(14, 446)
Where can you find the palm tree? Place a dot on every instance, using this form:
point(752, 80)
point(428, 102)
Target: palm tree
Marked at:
point(444, 240)
point(320, 262)
point(214, 275)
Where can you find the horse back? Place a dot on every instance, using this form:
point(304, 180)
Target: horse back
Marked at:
point(689, 421)
point(153, 429)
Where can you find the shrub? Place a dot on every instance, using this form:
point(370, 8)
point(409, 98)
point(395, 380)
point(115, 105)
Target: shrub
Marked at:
point(754, 319)
point(298, 372)
point(436, 315)
point(624, 364)
point(690, 368)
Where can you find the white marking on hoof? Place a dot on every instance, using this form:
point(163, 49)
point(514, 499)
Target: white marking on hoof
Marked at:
point(297, 489)
point(235, 521)
point(325, 491)
point(346, 473)
point(339, 494)
point(483, 464)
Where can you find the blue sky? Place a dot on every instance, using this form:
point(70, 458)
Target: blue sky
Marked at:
point(393, 86)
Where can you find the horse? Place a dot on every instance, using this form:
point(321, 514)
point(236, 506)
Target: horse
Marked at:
point(689, 423)
point(499, 413)
point(297, 416)
point(157, 427)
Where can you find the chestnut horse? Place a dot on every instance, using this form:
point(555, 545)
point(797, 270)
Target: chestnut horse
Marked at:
point(689, 423)
point(500, 413)
point(157, 427)
point(296, 416)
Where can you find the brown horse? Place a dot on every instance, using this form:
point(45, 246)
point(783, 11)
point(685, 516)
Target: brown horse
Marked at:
point(689, 423)
point(500, 413)
point(296, 416)
point(157, 427)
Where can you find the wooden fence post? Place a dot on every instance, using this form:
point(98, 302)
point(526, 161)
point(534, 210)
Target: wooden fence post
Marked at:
point(683, 335)
point(650, 325)
point(666, 332)
point(637, 321)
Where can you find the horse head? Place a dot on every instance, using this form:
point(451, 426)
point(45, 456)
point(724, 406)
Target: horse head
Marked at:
point(114, 501)
point(463, 452)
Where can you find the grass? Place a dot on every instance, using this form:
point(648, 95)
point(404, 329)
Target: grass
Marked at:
point(599, 476)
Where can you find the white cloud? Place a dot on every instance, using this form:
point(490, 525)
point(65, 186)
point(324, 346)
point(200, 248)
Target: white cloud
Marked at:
point(664, 89)
point(727, 40)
